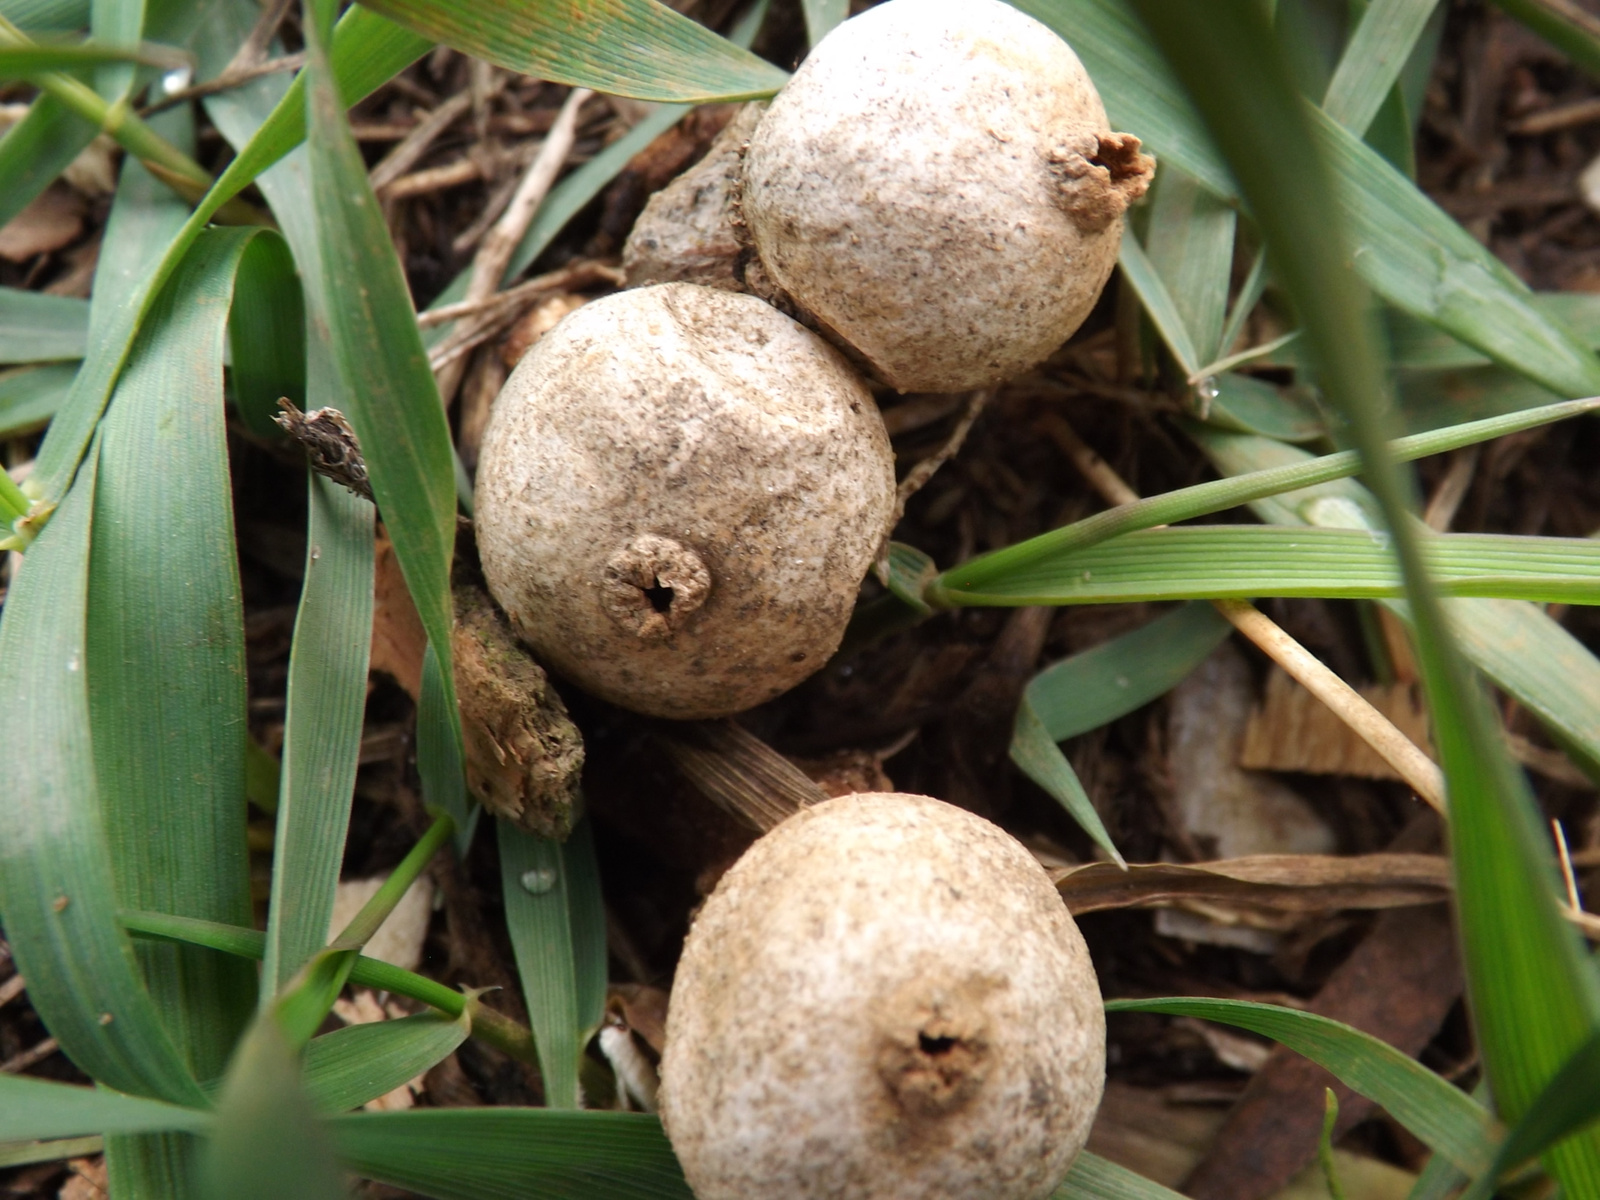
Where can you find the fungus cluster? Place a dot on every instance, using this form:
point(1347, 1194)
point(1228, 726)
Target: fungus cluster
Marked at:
point(680, 490)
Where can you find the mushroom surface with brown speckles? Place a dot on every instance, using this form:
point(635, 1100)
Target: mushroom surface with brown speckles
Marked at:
point(884, 999)
point(679, 494)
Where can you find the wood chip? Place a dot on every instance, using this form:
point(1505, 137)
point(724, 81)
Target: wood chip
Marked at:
point(1291, 730)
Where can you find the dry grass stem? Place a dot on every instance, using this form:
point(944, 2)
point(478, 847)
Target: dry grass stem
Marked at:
point(1452, 490)
point(227, 81)
point(415, 144)
point(741, 773)
point(11, 989)
point(20, 1062)
point(573, 275)
point(1399, 751)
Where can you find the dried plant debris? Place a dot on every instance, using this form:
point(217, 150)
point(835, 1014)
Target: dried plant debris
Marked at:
point(330, 443)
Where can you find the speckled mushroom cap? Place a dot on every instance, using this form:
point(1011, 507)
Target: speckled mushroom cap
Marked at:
point(679, 493)
point(884, 999)
point(938, 187)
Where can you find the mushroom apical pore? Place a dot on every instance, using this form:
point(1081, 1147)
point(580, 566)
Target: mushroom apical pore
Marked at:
point(884, 999)
point(938, 188)
point(679, 493)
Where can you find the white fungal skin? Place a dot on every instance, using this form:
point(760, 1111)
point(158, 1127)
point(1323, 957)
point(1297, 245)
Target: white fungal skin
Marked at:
point(884, 999)
point(938, 187)
point(679, 493)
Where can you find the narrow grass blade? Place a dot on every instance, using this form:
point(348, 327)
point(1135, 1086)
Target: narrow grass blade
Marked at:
point(822, 15)
point(552, 896)
point(1260, 468)
point(322, 730)
point(1373, 59)
point(1096, 687)
point(55, 866)
point(1534, 993)
point(513, 1153)
point(1158, 302)
point(1437, 1112)
point(267, 1143)
point(30, 396)
point(439, 761)
point(22, 62)
point(36, 150)
point(636, 48)
point(118, 22)
point(38, 1108)
point(165, 654)
point(1189, 240)
point(36, 327)
point(1096, 1178)
point(1240, 561)
point(346, 1068)
point(390, 394)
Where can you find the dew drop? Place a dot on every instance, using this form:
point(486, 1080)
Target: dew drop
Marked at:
point(176, 81)
point(539, 880)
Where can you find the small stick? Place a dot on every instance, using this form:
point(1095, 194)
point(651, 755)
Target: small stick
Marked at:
point(11, 989)
point(573, 275)
point(1399, 751)
point(415, 144)
point(500, 243)
point(1566, 865)
point(18, 1063)
point(918, 476)
point(225, 82)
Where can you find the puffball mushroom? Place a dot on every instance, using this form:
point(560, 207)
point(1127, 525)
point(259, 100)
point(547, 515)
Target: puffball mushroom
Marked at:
point(679, 493)
point(938, 188)
point(884, 999)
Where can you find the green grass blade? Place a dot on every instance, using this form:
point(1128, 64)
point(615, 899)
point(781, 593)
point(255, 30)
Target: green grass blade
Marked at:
point(1096, 1178)
point(1091, 689)
point(22, 62)
point(36, 327)
point(1260, 468)
point(822, 15)
point(439, 762)
point(1372, 62)
point(1140, 93)
point(637, 48)
point(1240, 561)
point(1569, 1102)
point(117, 22)
point(1189, 240)
point(389, 391)
point(552, 897)
point(38, 1108)
point(55, 866)
point(21, 1154)
point(346, 1068)
point(1158, 302)
point(267, 1143)
point(165, 655)
point(367, 51)
point(46, 15)
point(322, 731)
point(1437, 1112)
point(1534, 993)
point(513, 1153)
point(30, 396)
point(36, 150)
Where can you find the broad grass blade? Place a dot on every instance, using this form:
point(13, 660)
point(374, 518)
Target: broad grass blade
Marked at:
point(55, 865)
point(38, 1108)
point(1437, 1112)
point(557, 924)
point(1535, 994)
point(267, 1143)
point(637, 48)
point(35, 16)
point(513, 1153)
point(1372, 62)
point(267, 335)
point(346, 1068)
point(29, 397)
point(1569, 1102)
point(1159, 303)
point(322, 730)
point(165, 655)
point(36, 327)
point(116, 22)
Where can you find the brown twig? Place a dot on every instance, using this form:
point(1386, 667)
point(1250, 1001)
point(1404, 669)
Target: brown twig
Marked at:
point(415, 144)
point(226, 82)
